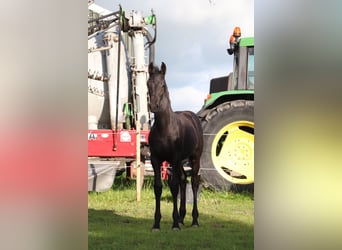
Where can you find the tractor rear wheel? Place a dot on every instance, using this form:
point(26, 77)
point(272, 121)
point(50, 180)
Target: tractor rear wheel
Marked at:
point(227, 161)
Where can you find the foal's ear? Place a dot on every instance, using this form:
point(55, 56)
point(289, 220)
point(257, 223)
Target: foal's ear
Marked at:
point(151, 68)
point(163, 68)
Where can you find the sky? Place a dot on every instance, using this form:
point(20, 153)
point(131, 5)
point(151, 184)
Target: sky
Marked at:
point(192, 38)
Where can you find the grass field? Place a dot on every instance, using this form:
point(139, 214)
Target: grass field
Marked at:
point(117, 221)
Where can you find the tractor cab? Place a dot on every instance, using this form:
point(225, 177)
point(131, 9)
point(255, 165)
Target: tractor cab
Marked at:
point(243, 67)
point(242, 77)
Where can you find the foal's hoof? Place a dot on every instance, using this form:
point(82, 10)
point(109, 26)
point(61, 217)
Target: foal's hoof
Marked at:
point(155, 229)
point(194, 225)
point(176, 229)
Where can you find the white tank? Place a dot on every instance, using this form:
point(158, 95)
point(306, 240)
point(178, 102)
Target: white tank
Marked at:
point(102, 80)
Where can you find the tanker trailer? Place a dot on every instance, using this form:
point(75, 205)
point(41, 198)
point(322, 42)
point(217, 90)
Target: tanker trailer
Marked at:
point(118, 113)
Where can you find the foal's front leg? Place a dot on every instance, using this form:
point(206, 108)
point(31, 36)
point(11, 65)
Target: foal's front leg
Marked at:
point(174, 187)
point(157, 193)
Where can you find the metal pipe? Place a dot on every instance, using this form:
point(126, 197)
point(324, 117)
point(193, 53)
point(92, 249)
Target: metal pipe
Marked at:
point(105, 16)
point(118, 81)
point(99, 49)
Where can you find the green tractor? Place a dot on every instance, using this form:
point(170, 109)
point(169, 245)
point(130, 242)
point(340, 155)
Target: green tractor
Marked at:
point(227, 117)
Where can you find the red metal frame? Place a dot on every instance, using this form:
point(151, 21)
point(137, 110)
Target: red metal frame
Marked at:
point(108, 143)
point(165, 176)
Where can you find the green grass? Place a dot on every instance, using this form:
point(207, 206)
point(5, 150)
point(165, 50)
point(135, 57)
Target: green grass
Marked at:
point(117, 221)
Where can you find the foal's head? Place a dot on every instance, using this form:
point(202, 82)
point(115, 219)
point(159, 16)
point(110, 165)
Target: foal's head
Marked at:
point(157, 89)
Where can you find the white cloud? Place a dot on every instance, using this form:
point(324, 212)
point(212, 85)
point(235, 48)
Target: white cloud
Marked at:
point(187, 98)
point(192, 39)
point(195, 52)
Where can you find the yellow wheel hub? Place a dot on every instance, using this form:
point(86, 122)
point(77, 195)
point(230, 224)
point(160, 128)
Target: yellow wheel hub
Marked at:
point(233, 152)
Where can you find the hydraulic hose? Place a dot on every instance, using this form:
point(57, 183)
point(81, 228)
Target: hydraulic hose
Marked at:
point(150, 44)
point(150, 41)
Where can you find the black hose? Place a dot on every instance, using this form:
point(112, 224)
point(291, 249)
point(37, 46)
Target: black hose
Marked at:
point(150, 41)
point(150, 46)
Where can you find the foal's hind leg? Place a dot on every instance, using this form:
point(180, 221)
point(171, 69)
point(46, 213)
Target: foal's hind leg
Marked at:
point(195, 180)
point(182, 208)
